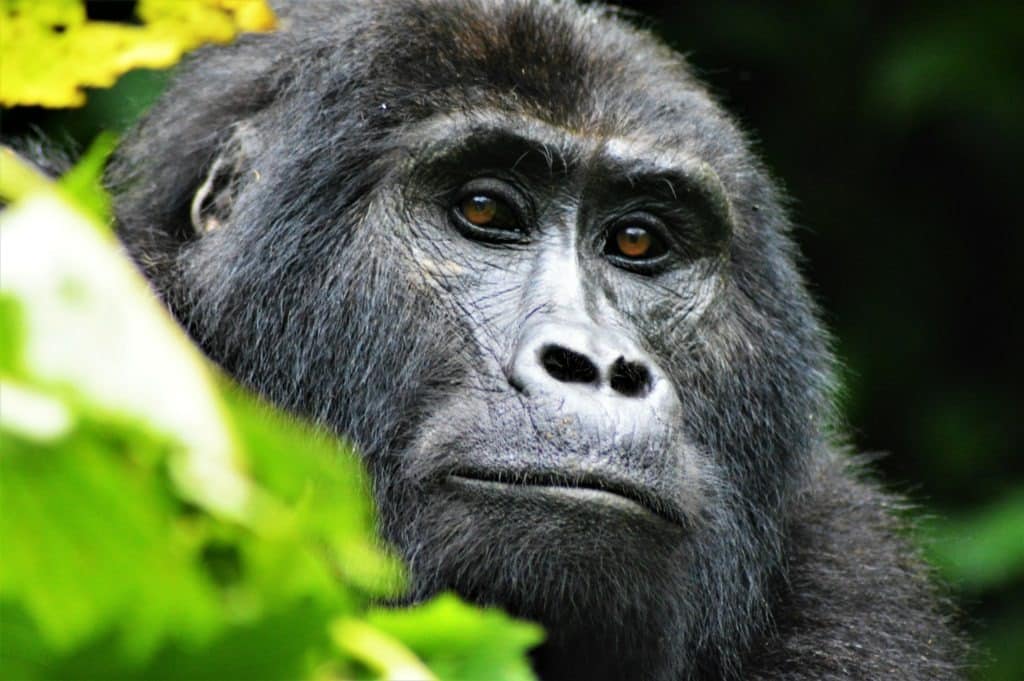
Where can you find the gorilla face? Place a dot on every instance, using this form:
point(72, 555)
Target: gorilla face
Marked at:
point(515, 253)
point(552, 261)
point(565, 267)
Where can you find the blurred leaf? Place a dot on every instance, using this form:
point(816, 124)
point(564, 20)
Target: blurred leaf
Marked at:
point(983, 549)
point(458, 641)
point(382, 654)
point(77, 285)
point(81, 53)
point(90, 526)
point(85, 486)
point(93, 493)
point(83, 183)
point(326, 486)
point(13, 334)
point(952, 59)
point(18, 179)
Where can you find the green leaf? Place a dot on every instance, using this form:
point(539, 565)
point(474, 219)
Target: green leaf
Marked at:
point(123, 481)
point(12, 333)
point(383, 655)
point(95, 525)
point(325, 484)
point(18, 178)
point(127, 356)
point(83, 183)
point(458, 641)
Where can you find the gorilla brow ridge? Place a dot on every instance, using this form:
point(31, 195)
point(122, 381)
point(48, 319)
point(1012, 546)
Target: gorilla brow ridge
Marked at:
point(447, 137)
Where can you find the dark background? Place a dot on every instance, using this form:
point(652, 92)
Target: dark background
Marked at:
point(898, 131)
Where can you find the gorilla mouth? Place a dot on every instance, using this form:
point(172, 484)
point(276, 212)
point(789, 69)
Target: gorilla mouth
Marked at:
point(581, 489)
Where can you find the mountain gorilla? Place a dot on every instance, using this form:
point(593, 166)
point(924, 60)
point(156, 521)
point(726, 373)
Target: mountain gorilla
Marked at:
point(516, 253)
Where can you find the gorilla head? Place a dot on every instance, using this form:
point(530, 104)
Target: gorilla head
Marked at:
point(516, 253)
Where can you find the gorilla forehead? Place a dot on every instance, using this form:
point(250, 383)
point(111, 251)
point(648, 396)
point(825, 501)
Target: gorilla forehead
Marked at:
point(578, 68)
point(552, 56)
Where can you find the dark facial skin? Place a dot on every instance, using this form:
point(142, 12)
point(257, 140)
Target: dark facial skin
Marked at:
point(515, 253)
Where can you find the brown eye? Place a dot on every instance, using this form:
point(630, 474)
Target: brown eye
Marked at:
point(637, 244)
point(485, 214)
point(480, 210)
point(634, 242)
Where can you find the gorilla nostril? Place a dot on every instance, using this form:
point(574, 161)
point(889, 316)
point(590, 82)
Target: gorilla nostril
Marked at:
point(567, 366)
point(629, 378)
point(516, 381)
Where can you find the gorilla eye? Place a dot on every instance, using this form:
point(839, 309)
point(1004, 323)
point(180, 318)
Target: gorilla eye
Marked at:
point(488, 211)
point(633, 242)
point(634, 245)
point(480, 210)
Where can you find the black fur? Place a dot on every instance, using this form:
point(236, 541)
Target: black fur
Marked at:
point(317, 284)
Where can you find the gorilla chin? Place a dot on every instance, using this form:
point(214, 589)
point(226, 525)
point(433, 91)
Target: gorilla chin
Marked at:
point(562, 522)
point(574, 549)
point(516, 254)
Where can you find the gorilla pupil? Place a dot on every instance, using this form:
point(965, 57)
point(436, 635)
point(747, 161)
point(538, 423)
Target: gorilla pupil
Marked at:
point(480, 210)
point(633, 242)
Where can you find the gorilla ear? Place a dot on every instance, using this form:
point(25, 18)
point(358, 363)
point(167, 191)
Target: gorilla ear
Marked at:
point(214, 200)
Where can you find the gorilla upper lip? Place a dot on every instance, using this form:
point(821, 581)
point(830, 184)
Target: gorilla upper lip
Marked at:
point(629, 492)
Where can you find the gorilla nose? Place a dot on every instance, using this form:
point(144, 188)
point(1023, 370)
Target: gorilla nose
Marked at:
point(631, 379)
point(582, 360)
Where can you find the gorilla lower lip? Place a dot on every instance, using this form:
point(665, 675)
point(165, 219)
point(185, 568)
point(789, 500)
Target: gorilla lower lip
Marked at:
point(586, 491)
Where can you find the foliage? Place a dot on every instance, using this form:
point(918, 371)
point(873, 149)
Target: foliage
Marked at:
point(159, 522)
point(83, 53)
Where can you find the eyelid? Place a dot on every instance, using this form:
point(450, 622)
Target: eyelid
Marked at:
point(496, 188)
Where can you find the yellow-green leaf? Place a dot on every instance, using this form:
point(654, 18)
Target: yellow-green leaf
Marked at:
point(380, 652)
point(456, 641)
point(52, 51)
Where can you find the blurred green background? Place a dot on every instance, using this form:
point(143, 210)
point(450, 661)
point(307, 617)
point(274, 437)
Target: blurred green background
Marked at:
point(898, 131)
